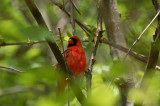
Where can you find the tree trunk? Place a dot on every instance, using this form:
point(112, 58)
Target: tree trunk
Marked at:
point(111, 17)
point(114, 30)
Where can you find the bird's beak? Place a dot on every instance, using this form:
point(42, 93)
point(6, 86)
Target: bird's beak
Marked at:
point(70, 41)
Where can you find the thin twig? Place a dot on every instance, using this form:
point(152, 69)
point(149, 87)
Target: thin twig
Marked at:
point(110, 84)
point(72, 19)
point(59, 29)
point(93, 54)
point(63, 48)
point(55, 49)
point(74, 5)
point(76, 20)
point(10, 69)
point(22, 43)
point(137, 40)
point(153, 55)
point(154, 52)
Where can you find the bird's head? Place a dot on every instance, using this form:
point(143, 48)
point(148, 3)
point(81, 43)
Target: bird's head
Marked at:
point(74, 41)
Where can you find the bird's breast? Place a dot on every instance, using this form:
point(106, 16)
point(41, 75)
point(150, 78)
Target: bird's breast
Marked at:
point(76, 60)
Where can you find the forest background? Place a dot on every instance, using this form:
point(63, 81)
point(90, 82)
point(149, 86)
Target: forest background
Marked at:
point(120, 38)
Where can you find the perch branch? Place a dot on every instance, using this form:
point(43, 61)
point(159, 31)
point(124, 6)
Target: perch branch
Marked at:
point(103, 40)
point(93, 54)
point(55, 49)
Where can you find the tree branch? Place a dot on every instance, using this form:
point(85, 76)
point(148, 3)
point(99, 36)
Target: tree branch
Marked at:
point(154, 52)
point(74, 5)
point(139, 57)
point(72, 18)
point(30, 43)
point(103, 40)
point(139, 37)
point(10, 69)
point(93, 54)
point(69, 15)
point(55, 49)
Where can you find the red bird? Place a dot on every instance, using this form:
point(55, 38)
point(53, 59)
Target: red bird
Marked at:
point(76, 59)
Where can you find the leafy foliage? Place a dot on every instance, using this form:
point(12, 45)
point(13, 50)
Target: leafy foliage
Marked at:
point(37, 84)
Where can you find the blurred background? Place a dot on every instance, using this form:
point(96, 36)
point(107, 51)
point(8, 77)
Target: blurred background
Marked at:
point(36, 86)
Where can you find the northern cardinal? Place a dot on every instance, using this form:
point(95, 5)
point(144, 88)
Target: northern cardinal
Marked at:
point(76, 60)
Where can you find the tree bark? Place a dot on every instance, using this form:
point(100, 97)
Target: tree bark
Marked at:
point(114, 30)
point(112, 20)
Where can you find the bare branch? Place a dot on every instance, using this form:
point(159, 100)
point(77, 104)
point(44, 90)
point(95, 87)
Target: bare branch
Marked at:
point(154, 52)
point(131, 53)
point(69, 15)
point(93, 54)
point(55, 49)
point(30, 43)
point(74, 5)
point(137, 40)
point(137, 56)
point(10, 69)
point(72, 18)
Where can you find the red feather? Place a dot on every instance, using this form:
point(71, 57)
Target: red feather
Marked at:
point(76, 59)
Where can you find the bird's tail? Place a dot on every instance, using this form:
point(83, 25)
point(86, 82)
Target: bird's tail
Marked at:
point(61, 81)
point(61, 84)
